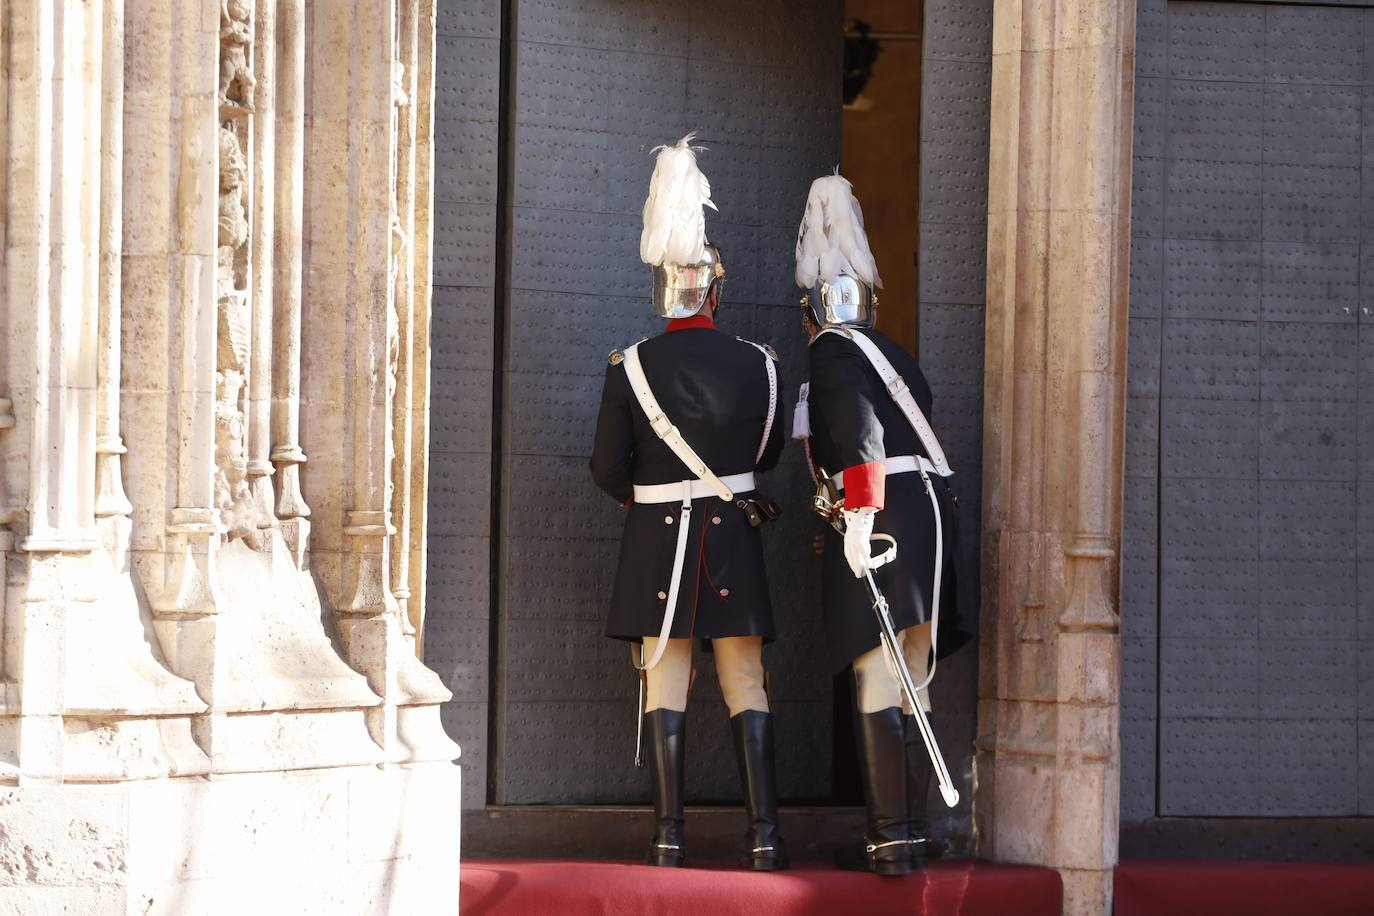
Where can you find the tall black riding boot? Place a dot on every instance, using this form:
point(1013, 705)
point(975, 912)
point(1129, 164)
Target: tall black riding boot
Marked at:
point(882, 761)
point(753, 731)
point(667, 732)
point(919, 770)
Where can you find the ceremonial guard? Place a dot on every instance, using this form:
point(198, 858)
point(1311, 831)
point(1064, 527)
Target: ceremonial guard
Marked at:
point(883, 478)
point(686, 419)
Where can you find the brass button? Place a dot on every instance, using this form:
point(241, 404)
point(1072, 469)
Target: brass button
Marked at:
point(725, 593)
point(667, 519)
point(715, 519)
point(662, 596)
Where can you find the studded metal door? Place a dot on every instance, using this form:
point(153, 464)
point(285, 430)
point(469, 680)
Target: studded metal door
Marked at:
point(956, 81)
point(1246, 623)
point(598, 84)
point(522, 546)
point(466, 112)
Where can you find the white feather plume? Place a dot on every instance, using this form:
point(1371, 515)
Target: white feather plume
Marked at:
point(831, 239)
point(674, 222)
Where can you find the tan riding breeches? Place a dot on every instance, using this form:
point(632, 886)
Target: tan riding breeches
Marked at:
point(739, 668)
point(877, 688)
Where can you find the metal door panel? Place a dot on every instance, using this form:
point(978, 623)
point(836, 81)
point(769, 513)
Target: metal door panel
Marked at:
point(1262, 143)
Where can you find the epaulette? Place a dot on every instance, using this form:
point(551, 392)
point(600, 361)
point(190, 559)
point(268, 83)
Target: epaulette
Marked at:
point(616, 357)
point(772, 354)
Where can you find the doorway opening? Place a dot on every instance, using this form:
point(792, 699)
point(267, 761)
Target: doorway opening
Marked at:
point(881, 146)
point(880, 155)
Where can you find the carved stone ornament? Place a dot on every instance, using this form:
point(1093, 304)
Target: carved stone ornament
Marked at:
point(236, 80)
point(187, 724)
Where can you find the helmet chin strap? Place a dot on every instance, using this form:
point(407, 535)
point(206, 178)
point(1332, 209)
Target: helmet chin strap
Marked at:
point(712, 304)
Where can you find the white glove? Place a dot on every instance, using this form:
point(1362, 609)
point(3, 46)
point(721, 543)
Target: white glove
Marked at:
point(858, 536)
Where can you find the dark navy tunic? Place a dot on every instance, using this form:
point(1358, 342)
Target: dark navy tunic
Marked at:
point(714, 387)
point(854, 421)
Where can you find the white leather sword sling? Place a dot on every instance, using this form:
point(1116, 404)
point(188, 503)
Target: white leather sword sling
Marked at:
point(705, 484)
point(901, 395)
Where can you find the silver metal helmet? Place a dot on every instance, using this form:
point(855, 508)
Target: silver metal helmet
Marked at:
point(681, 290)
point(843, 300)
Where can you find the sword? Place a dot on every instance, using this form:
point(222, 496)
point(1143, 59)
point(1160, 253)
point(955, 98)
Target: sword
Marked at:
point(828, 505)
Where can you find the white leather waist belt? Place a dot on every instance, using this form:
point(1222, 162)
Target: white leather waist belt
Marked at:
point(902, 464)
point(690, 489)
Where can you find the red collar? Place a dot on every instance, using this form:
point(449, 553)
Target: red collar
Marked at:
point(696, 321)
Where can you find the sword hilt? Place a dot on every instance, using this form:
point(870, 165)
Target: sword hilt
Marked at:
point(827, 502)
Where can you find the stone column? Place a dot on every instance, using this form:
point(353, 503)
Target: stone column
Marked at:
point(51, 248)
point(292, 511)
point(262, 512)
point(1048, 758)
point(112, 506)
point(188, 610)
point(9, 723)
point(402, 285)
point(369, 617)
point(113, 685)
point(421, 690)
point(358, 277)
point(150, 367)
point(191, 595)
point(68, 592)
point(421, 252)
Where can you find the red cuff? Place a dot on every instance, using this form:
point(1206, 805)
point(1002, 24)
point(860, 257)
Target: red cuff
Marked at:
point(865, 485)
point(628, 503)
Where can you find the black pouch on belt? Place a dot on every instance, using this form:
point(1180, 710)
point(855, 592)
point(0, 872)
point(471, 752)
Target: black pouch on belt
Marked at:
point(759, 510)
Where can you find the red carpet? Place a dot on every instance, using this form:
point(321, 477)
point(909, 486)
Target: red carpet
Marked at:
point(534, 887)
point(1197, 887)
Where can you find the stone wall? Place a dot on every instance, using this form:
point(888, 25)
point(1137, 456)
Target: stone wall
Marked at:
point(216, 269)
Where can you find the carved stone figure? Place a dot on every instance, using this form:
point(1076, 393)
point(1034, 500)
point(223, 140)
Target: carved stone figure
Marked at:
point(232, 496)
point(398, 84)
point(236, 80)
point(233, 216)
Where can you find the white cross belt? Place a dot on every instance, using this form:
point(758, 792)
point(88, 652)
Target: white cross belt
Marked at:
point(649, 494)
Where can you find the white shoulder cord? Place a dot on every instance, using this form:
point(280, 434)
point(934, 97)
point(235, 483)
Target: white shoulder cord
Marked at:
point(772, 396)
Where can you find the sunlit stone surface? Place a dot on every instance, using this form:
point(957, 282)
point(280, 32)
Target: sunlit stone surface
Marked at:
point(214, 320)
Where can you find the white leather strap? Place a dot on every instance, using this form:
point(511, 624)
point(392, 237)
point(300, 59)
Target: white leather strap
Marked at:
point(670, 607)
point(664, 428)
point(900, 394)
point(772, 396)
point(649, 494)
point(935, 593)
point(902, 464)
